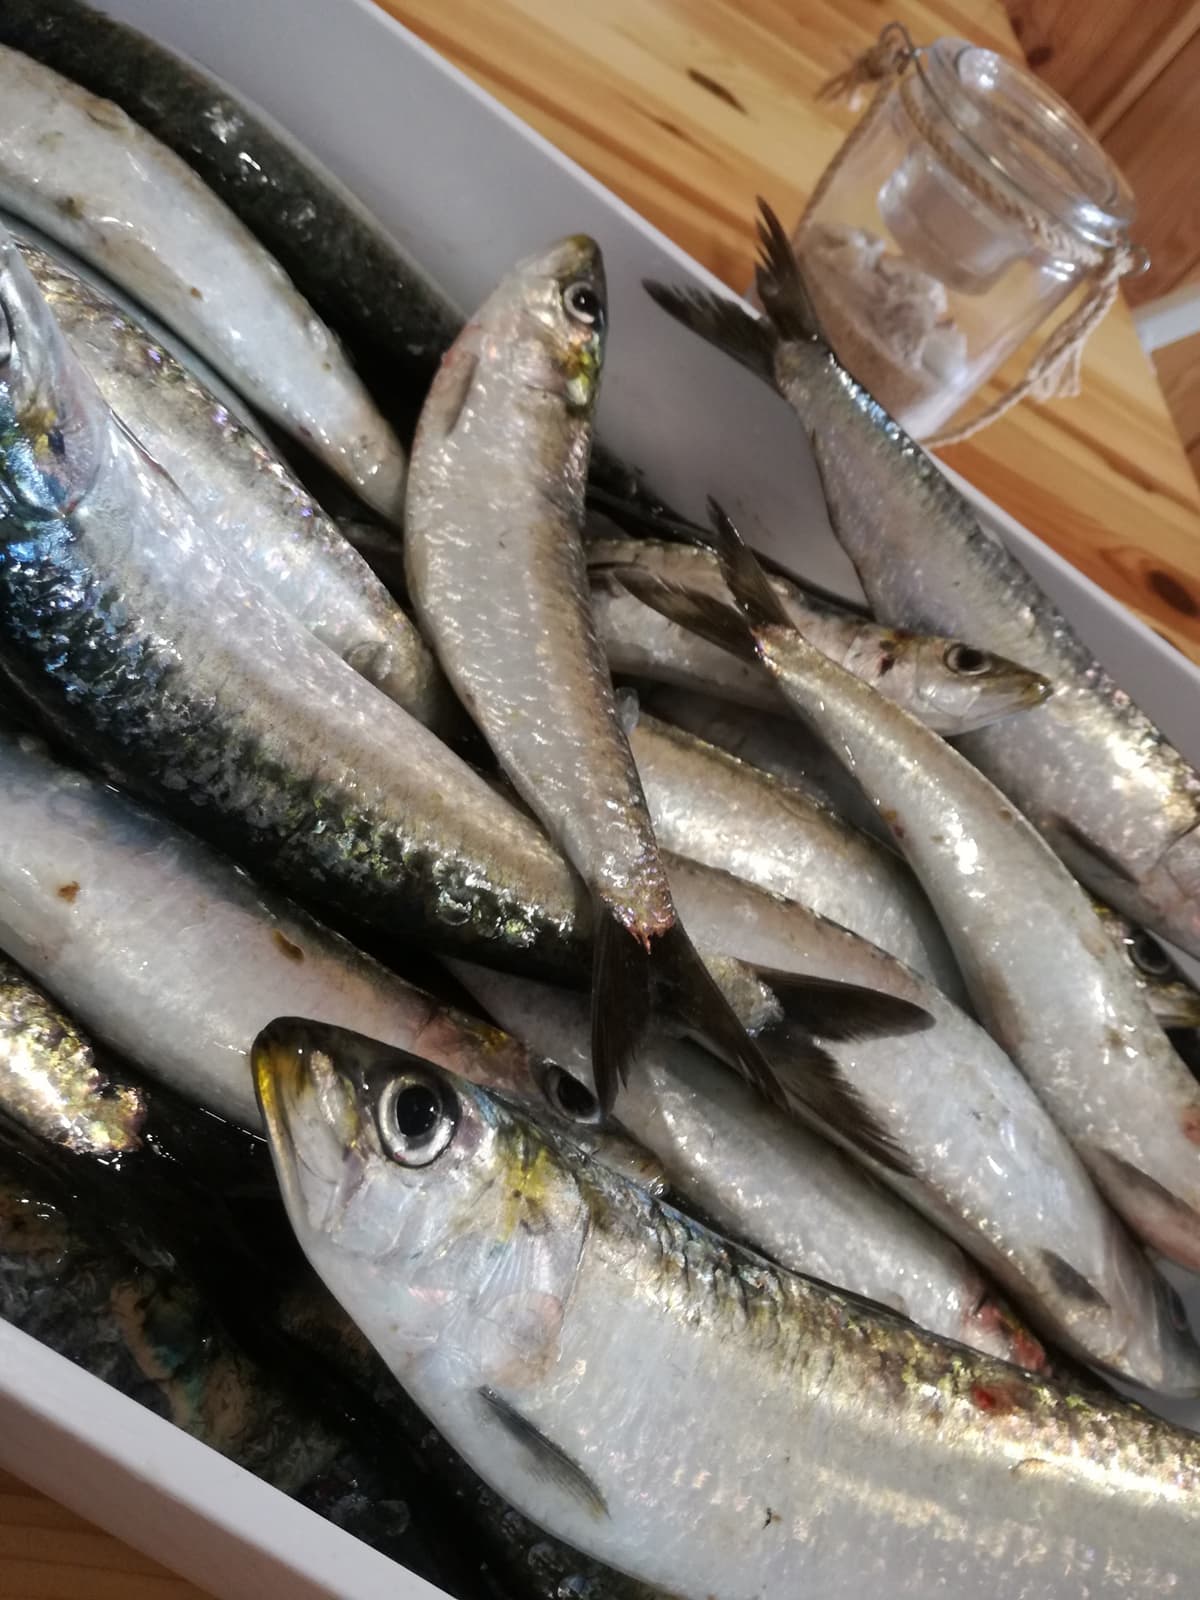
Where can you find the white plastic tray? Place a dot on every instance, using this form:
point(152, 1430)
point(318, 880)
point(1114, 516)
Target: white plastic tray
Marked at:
point(469, 189)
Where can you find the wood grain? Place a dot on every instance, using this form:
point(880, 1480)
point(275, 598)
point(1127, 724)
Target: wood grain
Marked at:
point(48, 1553)
point(689, 108)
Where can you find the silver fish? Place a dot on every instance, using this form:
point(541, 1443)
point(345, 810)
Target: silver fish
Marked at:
point(711, 807)
point(1173, 998)
point(777, 1439)
point(1089, 770)
point(951, 686)
point(1043, 974)
point(773, 1184)
point(497, 573)
point(241, 491)
point(961, 1136)
point(80, 169)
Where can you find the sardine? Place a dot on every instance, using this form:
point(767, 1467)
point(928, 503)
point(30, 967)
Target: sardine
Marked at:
point(497, 573)
point(772, 1184)
point(76, 166)
point(1173, 998)
point(1090, 771)
point(951, 686)
point(779, 1438)
point(713, 808)
point(242, 492)
point(1041, 970)
point(961, 1136)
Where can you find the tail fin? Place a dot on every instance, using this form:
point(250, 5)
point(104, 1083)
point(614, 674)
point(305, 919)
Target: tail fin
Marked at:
point(699, 613)
point(779, 281)
point(844, 1011)
point(745, 579)
point(622, 996)
point(725, 322)
point(826, 1095)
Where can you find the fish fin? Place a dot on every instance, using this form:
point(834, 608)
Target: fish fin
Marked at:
point(835, 1010)
point(779, 282)
point(725, 322)
point(621, 1002)
point(549, 1460)
point(814, 1083)
point(1103, 873)
point(1068, 1280)
point(689, 994)
point(699, 613)
point(746, 579)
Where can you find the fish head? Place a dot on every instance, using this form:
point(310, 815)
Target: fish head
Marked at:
point(958, 687)
point(52, 420)
point(550, 315)
point(1173, 999)
point(447, 1224)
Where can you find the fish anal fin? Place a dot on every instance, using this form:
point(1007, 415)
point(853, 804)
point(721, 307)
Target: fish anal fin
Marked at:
point(724, 322)
point(779, 281)
point(701, 614)
point(621, 1002)
point(548, 1460)
point(835, 1010)
point(746, 579)
point(1069, 1281)
point(1102, 872)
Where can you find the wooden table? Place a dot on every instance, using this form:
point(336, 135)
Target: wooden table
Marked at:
point(688, 109)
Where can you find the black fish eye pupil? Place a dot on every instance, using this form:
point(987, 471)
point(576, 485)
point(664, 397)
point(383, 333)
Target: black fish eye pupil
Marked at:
point(1150, 956)
point(573, 1097)
point(416, 1110)
point(963, 658)
point(584, 304)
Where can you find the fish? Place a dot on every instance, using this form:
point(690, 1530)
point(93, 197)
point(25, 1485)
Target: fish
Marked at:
point(709, 806)
point(242, 492)
point(1087, 767)
point(497, 575)
point(780, 1438)
point(957, 1132)
point(172, 957)
point(355, 275)
point(76, 166)
point(774, 1185)
point(1043, 974)
point(950, 685)
point(1173, 998)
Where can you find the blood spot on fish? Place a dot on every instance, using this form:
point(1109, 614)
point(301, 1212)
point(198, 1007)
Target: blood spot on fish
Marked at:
point(716, 88)
point(1190, 1123)
point(995, 1398)
point(195, 293)
point(1007, 815)
point(71, 207)
point(886, 663)
point(1176, 594)
point(291, 950)
point(68, 892)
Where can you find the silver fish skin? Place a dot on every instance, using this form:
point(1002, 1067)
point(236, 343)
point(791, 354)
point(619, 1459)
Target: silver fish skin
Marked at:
point(778, 1439)
point(174, 957)
point(1087, 768)
point(497, 573)
point(49, 1081)
point(1173, 998)
point(79, 168)
point(242, 492)
point(774, 1185)
point(951, 686)
point(1043, 974)
point(133, 631)
point(980, 1156)
point(713, 808)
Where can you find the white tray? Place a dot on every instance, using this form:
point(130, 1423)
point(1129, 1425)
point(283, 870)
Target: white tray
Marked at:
point(469, 189)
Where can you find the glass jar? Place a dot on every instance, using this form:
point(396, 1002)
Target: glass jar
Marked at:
point(970, 202)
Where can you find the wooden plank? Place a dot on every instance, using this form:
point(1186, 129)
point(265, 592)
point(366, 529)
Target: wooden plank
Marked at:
point(689, 108)
point(1178, 367)
point(1102, 57)
point(1156, 143)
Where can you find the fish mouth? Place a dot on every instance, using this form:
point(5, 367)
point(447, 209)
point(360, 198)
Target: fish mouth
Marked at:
point(1036, 690)
point(310, 1106)
point(1176, 1005)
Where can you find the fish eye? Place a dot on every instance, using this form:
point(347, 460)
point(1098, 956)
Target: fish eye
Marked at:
point(417, 1116)
point(568, 1096)
point(583, 304)
point(965, 659)
point(1149, 956)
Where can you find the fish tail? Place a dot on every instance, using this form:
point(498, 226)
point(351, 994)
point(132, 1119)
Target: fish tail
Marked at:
point(701, 614)
point(622, 1001)
point(779, 281)
point(724, 322)
point(746, 580)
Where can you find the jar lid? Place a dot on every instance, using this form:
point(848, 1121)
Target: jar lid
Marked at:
point(1029, 139)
